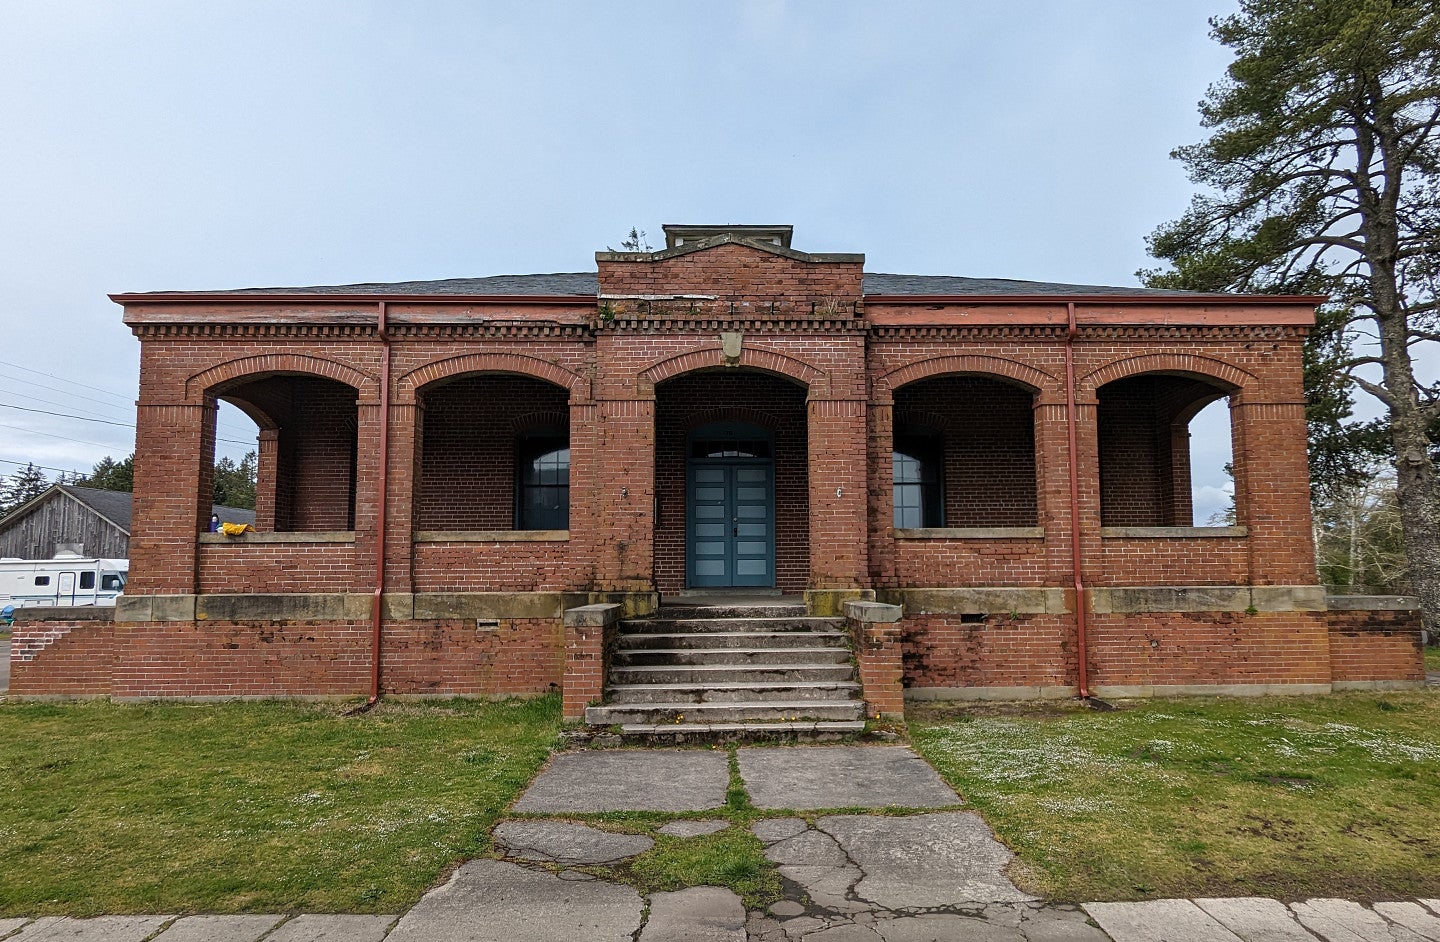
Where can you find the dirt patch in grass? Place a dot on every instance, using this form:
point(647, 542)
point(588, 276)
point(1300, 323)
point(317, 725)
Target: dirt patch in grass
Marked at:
point(263, 807)
point(1280, 797)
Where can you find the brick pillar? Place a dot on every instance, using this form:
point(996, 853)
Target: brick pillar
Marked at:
point(267, 472)
point(839, 504)
point(406, 422)
point(588, 632)
point(587, 521)
point(1181, 509)
point(881, 498)
point(1272, 488)
point(624, 495)
point(876, 629)
point(174, 482)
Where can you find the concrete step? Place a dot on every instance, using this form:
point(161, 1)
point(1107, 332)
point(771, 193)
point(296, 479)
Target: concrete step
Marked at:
point(720, 691)
point(730, 673)
point(669, 713)
point(670, 625)
point(733, 639)
point(736, 656)
point(748, 609)
point(677, 734)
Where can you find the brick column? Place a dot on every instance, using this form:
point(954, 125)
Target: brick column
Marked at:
point(624, 495)
point(406, 424)
point(267, 473)
point(881, 497)
point(587, 490)
point(589, 630)
point(174, 481)
point(876, 629)
point(839, 493)
point(1272, 487)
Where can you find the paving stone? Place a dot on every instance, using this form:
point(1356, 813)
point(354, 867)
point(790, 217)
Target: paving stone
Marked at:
point(1174, 920)
point(10, 925)
point(495, 901)
point(814, 777)
point(926, 860)
point(808, 848)
point(930, 928)
point(1412, 916)
point(827, 887)
point(1255, 918)
point(696, 914)
point(770, 830)
point(567, 842)
point(845, 933)
point(787, 908)
point(315, 927)
point(1340, 920)
point(692, 828)
point(630, 780)
point(1431, 904)
point(1054, 924)
point(219, 928)
point(99, 929)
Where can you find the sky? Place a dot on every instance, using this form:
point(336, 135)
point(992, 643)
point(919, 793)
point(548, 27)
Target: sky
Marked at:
point(150, 145)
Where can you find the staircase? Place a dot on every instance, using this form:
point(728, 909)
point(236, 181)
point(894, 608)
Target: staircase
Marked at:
point(721, 672)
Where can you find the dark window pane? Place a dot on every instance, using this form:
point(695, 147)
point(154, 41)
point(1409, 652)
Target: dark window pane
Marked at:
point(87, 580)
point(544, 498)
point(917, 464)
point(705, 448)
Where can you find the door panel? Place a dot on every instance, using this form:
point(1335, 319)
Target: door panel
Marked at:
point(730, 523)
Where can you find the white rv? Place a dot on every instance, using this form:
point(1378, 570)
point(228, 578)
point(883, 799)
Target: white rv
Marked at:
point(68, 579)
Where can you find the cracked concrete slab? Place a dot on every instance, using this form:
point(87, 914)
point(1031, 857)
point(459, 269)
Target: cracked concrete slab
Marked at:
point(929, 928)
point(1182, 920)
point(1254, 917)
point(827, 887)
point(495, 901)
point(567, 842)
point(692, 828)
point(333, 928)
point(1412, 916)
point(8, 926)
point(629, 780)
point(1340, 920)
point(1058, 924)
point(696, 914)
point(99, 929)
point(770, 830)
point(808, 848)
point(807, 778)
point(219, 928)
point(925, 861)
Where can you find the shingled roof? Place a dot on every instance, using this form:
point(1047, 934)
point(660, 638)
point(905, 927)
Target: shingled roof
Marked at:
point(115, 506)
point(586, 284)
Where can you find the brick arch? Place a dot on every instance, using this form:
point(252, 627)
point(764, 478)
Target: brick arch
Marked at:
point(1226, 375)
point(998, 368)
point(517, 363)
point(539, 418)
point(748, 415)
point(246, 368)
point(767, 361)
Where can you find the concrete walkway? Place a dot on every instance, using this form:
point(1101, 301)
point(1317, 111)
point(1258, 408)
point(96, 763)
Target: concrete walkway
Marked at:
point(924, 871)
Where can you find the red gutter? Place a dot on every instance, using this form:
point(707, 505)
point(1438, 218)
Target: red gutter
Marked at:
point(191, 297)
point(377, 604)
point(1100, 299)
point(1081, 628)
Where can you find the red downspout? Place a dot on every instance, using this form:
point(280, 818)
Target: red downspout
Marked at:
point(377, 604)
point(1081, 629)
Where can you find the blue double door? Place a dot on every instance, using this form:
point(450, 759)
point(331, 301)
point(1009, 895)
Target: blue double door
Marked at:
point(730, 523)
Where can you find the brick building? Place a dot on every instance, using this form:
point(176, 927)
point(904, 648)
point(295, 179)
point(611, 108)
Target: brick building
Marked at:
point(448, 468)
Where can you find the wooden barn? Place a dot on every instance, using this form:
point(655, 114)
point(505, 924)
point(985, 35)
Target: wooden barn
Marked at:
point(84, 520)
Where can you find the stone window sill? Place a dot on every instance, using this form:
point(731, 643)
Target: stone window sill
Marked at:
point(1172, 533)
point(971, 533)
point(316, 536)
point(492, 536)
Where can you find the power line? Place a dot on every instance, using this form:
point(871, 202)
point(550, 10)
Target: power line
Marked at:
point(62, 379)
point(43, 467)
point(81, 418)
point(63, 438)
point(129, 405)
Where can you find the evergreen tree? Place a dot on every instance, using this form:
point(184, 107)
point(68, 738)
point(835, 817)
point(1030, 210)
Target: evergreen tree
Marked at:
point(1323, 173)
point(235, 482)
point(111, 475)
point(21, 488)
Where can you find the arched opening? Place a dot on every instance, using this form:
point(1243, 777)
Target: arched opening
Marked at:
point(1148, 476)
point(306, 449)
point(963, 454)
point(494, 454)
point(731, 482)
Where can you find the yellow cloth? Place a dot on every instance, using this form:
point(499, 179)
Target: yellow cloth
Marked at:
point(235, 529)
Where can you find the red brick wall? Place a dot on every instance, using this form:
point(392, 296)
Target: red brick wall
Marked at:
point(467, 460)
point(954, 562)
point(776, 405)
point(1197, 560)
point(735, 273)
point(988, 431)
point(1209, 648)
point(62, 658)
point(496, 567)
point(520, 656)
point(1376, 645)
point(231, 568)
point(1000, 651)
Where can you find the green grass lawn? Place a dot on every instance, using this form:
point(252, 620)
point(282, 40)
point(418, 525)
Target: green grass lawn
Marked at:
point(1282, 797)
point(1432, 657)
point(263, 807)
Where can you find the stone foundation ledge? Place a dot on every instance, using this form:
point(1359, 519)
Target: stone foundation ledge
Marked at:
point(357, 606)
point(1147, 691)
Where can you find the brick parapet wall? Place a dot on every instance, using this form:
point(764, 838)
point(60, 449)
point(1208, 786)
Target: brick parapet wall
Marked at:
point(62, 652)
point(1375, 645)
